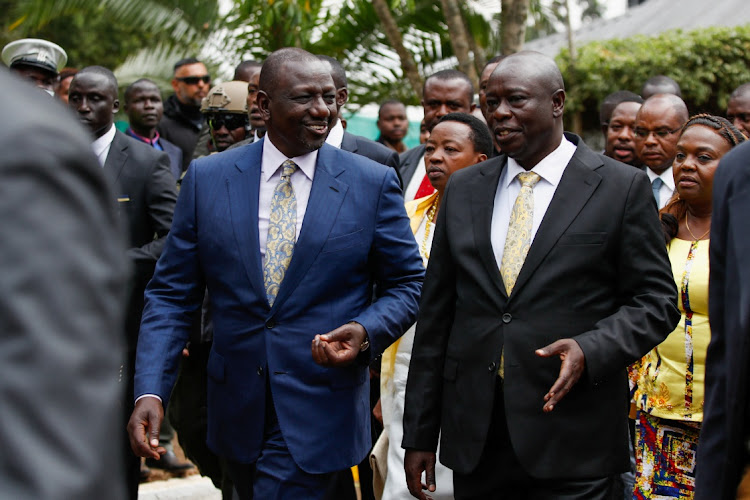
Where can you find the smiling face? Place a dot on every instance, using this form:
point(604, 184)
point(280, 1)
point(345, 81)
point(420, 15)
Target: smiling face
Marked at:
point(92, 97)
point(300, 109)
point(449, 149)
point(620, 138)
point(144, 108)
point(699, 150)
point(526, 111)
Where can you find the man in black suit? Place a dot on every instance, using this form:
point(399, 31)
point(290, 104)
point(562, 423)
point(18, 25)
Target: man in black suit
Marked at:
point(145, 190)
point(61, 306)
point(550, 253)
point(723, 452)
point(447, 91)
point(144, 108)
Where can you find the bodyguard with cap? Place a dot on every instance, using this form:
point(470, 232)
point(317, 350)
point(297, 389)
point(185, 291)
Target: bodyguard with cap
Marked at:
point(36, 60)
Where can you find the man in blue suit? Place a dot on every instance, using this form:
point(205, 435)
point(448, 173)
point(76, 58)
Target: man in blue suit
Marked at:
point(289, 235)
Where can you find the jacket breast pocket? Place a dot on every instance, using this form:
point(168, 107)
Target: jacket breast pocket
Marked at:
point(583, 239)
point(338, 243)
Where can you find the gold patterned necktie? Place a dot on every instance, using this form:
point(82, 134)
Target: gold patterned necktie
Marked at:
point(518, 240)
point(282, 232)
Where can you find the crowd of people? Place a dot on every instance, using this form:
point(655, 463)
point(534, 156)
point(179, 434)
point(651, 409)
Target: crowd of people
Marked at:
point(499, 312)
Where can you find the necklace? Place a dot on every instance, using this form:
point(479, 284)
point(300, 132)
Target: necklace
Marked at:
point(691, 233)
point(430, 217)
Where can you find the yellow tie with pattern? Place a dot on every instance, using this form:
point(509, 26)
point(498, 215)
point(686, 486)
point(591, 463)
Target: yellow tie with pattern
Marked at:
point(518, 240)
point(282, 232)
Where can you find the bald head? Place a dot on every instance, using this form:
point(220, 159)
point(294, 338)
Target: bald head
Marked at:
point(273, 67)
point(669, 103)
point(660, 84)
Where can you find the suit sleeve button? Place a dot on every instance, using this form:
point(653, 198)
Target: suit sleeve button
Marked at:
point(507, 318)
point(260, 371)
point(492, 368)
point(270, 324)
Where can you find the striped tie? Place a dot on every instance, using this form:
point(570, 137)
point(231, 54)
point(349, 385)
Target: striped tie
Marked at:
point(282, 232)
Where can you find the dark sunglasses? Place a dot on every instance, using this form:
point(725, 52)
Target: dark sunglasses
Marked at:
point(231, 121)
point(193, 80)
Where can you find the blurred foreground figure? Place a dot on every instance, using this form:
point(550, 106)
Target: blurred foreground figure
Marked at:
point(63, 281)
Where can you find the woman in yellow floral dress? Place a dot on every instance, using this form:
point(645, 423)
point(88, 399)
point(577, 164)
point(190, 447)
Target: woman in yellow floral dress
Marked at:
point(669, 397)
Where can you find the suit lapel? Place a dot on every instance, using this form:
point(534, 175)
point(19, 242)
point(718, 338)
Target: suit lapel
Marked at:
point(482, 206)
point(326, 196)
point(117, 156)
point(576, 186)
point(243, 187)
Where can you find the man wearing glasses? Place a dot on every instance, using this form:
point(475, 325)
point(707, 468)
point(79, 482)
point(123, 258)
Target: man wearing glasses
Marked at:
point(657, 128)
point(183, 120)
point(225, 110)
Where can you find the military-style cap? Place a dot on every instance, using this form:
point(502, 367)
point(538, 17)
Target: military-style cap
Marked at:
point(35, 52)
point(228, 97)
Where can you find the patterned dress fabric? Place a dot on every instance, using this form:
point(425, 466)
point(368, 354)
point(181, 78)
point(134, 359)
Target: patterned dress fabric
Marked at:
point(669, 395)
point(282, 232)
point(518, 240)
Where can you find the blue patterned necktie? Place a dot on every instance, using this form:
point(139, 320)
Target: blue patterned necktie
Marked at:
point(656, 187)
point(282, 232)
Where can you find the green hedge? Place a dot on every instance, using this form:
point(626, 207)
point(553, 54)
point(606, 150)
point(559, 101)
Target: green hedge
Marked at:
point(707, 63)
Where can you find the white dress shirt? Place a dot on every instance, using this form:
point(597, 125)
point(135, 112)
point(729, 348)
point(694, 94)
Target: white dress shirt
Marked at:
point(667, 188)
point(101, 145)
point(416, 180)
point(270, 174)
point(550, 169)
point(336, 135)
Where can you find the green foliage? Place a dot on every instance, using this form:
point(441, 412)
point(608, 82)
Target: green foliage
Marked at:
point(708, 64)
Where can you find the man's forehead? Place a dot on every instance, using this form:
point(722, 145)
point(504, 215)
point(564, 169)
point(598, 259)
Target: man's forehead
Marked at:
point(437, 85)
point(198, 69)
point(660, 111)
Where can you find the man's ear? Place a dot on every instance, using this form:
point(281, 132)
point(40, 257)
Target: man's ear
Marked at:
point(263, 101)
point(558, 103)
point(342, 96)
point(115, 106)
point(174, 84)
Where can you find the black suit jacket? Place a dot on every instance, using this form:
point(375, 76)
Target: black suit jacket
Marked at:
point(408, 162)
point(722, 452)
point(175, 158)
point(597, 271)
point(145, 190)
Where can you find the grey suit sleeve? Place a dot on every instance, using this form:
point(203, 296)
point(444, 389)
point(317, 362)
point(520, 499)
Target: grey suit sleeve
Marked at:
point(62, 283)
point(646, 289)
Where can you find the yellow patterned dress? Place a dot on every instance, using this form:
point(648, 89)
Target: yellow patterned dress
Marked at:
point(670, 389)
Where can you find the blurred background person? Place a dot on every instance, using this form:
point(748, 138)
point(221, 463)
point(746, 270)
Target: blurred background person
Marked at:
point(393, 125)
point(660, 84)
point(63, 275)
point(457, 141)
point(66, 76)
point(738, 108)
point(670, 389)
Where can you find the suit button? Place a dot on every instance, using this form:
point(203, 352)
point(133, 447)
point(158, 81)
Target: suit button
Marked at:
point(507, 318)
point(260, 371)
point(492, 368)
point(270, 324)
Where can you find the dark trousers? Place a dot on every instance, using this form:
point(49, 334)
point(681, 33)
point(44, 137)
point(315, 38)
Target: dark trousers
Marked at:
point(275, 475)
point(499, 475)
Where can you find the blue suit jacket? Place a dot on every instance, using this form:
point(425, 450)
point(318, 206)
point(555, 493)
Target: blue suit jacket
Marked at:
point(355, 233)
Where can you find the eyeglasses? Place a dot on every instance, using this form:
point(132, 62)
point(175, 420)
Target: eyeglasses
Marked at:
point(193, 80)
point(662, 133)
point(229, 120)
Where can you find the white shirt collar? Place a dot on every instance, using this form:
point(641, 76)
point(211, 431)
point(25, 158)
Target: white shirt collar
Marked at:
point(101, 145)
point(549, 168)
point(336, 135)
point(273, 158)
point(667, 177)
